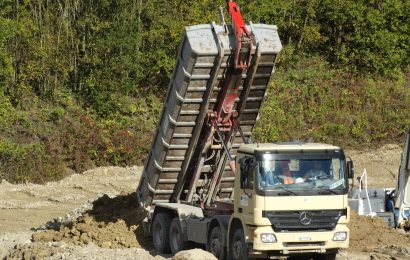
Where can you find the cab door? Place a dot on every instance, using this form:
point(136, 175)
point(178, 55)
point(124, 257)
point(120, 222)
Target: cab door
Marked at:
point(244, 203)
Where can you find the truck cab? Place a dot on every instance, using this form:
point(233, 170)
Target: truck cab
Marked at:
point(289, 198)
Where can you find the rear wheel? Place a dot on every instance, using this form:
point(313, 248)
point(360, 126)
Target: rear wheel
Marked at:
point(239, 249)
point(176, 239)
point(215, 243)
point(160, 232)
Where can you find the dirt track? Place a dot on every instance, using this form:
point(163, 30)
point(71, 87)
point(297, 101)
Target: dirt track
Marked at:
point(94, 215)
point(95, 201)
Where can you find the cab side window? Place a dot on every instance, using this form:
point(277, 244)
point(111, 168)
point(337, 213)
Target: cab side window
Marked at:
point(247, 165)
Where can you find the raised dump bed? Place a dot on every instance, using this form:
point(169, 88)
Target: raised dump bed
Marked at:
point(204, 58)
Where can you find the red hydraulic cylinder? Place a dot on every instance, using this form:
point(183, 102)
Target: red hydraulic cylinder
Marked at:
point(242, 56)
point(243, 37)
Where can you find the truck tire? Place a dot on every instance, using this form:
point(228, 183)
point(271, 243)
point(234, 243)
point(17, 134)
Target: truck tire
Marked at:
point(176, 239)
point(160, 232)
point(238, 246)
point(215, 243)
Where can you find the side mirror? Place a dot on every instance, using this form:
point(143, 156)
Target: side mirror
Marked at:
point(251, 164)
point(350, 169)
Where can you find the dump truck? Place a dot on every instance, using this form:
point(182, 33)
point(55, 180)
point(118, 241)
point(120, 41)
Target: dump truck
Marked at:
point(205, 182)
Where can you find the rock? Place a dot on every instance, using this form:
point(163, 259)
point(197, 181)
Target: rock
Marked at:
point(83, 227)
point(106, 244)
point(84, 238)
point(57, 238)
point(194, 254)
point(43, 236)
point(75, 232)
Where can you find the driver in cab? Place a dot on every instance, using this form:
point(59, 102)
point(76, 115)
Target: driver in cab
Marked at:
point(316, 171)
point(287, 175)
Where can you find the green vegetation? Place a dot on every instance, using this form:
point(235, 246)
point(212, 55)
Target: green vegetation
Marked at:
point(310, 100)
point(82, 82)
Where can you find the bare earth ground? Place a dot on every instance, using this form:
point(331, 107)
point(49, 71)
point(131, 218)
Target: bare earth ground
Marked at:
point(94, 216)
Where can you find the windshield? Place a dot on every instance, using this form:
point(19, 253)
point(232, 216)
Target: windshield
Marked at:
point(300, 176)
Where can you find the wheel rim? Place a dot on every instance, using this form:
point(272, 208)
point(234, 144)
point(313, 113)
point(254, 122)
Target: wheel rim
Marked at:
point(215, 247)
point(237, 249)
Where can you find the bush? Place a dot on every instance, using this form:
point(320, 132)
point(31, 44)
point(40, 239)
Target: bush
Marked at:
point(84, 142)
point(313, 101)
point(23, 163)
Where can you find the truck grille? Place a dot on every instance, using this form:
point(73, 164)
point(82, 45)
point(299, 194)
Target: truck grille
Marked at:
point(299, 244)
point(303, 220)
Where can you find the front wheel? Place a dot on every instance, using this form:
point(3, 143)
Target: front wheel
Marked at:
point(239, 249)
point(215, 243)
point(160, 232)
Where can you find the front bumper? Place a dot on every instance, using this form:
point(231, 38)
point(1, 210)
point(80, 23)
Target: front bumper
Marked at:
point(299, 242)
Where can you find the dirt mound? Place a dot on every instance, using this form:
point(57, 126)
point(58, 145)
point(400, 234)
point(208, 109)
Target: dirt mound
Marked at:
point(369, 234)
point(111, 223)
point(87, 230)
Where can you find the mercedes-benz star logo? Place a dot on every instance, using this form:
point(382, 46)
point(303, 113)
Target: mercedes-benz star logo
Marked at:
point(305, 218)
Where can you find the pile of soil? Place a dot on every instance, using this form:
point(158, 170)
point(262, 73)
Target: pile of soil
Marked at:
point(372, 234)
point(111, 223)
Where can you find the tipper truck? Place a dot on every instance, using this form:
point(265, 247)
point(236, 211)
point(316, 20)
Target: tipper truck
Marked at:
point(205, 182)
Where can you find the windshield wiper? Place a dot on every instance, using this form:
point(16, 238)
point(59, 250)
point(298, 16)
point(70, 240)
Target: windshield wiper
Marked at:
point(288, 192)
point(329, 190)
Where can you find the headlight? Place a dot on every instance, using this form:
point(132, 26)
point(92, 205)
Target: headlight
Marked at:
point(268, 238)
point(340, 236)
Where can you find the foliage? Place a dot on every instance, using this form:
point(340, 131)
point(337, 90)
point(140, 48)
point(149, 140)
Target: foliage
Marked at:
point(361, 36)
point(23, 163)
point(82, 82)
point(312, 101)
